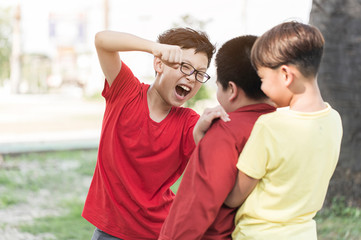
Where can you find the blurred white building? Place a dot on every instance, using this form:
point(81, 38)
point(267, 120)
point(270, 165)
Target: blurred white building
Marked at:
point(62, 32)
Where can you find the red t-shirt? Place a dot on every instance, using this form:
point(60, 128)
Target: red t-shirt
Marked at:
point(198, 211)
point(138, 160)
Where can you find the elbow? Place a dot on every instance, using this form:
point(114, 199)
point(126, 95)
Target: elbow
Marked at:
point(232, 204)
point(233, 200)
point(99, 39)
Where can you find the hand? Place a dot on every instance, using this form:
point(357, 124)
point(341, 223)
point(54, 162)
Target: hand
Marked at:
point(206, 119)
point(210, 114)
point(171, 55)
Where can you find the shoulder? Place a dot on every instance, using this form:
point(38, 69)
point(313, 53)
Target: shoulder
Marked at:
point(274, 118)
point(184, 112)
point(124, 73)
point(182, 117)
point(220, 130)
point(267, 125)
point(334, 113)
point(125, 84)
point(244, 119)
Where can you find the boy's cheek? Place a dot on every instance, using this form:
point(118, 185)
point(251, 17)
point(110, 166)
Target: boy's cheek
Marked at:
point(197, 86)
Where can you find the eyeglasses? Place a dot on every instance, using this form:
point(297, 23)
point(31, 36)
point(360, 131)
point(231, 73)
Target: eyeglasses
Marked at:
point(188, 70)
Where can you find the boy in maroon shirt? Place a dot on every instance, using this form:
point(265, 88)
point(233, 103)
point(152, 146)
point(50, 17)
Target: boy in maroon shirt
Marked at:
point(147, 137)
point(198, 211)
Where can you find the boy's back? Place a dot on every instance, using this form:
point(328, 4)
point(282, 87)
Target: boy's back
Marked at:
point(302, 150)
point(210, 176)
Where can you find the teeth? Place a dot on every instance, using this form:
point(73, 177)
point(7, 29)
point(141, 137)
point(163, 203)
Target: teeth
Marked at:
point(185, 88)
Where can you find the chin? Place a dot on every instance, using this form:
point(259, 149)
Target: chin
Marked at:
point(175, 103)
point(178, 104)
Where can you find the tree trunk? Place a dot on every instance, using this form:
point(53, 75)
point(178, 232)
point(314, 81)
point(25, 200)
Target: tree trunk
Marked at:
point(340, 83)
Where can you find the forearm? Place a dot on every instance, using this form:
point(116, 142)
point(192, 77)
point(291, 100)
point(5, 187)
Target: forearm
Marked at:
point(111, 41)
point(198, 134)
point(243, 187)
point(234, 198)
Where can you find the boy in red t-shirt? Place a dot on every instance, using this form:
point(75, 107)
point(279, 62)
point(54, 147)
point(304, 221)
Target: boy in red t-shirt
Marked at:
point(198, 211)
point(146, 137)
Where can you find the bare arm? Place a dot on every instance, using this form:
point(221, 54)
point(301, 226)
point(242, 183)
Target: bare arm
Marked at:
point(243, 187)
point(205, 121)
point(109, 43)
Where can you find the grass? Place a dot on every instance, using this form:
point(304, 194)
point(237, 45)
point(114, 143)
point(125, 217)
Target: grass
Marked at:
point(53, 187)
point(68, 226)
point(339, 221)
point(8, 200)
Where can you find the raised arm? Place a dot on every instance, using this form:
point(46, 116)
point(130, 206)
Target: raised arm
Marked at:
point(109, 43)
point(243, 187)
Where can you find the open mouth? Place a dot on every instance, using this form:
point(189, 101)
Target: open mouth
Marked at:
point(182, 90)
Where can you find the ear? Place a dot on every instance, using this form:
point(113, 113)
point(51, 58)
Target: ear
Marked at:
point(233, 91)
point(158, 65)
point(287, 75)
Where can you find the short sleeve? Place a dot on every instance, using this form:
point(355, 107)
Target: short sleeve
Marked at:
point(125, 84)
point(254, 157)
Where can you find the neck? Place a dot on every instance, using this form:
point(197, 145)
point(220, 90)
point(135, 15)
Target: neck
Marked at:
point(158, 108)
point(310, 100)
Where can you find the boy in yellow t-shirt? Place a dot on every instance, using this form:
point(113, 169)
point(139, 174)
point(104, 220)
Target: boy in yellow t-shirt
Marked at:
point(287, 163)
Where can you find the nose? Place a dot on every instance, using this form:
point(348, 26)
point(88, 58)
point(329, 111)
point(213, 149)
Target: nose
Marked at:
point(192, 77)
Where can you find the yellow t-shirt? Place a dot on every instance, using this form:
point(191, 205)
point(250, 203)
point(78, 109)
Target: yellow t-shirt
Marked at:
point(294, 154)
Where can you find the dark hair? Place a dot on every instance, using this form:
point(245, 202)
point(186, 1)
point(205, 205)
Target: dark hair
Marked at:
point(188, 38)
point(234, 64)
point(290, 43)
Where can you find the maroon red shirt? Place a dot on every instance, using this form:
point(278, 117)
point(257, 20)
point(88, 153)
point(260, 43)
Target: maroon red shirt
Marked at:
point(198, 211)
point(138, 160)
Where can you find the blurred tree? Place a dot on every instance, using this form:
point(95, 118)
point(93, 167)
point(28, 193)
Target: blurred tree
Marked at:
point(203, 93)
point(189, 21)
point(15, 61)
point(340, 83)
point(5, 44)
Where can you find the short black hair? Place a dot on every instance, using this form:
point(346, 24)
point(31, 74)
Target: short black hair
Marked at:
point(188, 38)
point(233, 62)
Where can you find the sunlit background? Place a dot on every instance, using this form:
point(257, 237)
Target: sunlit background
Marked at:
point(50, 85)
point(55, 38)
point(49, 68)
